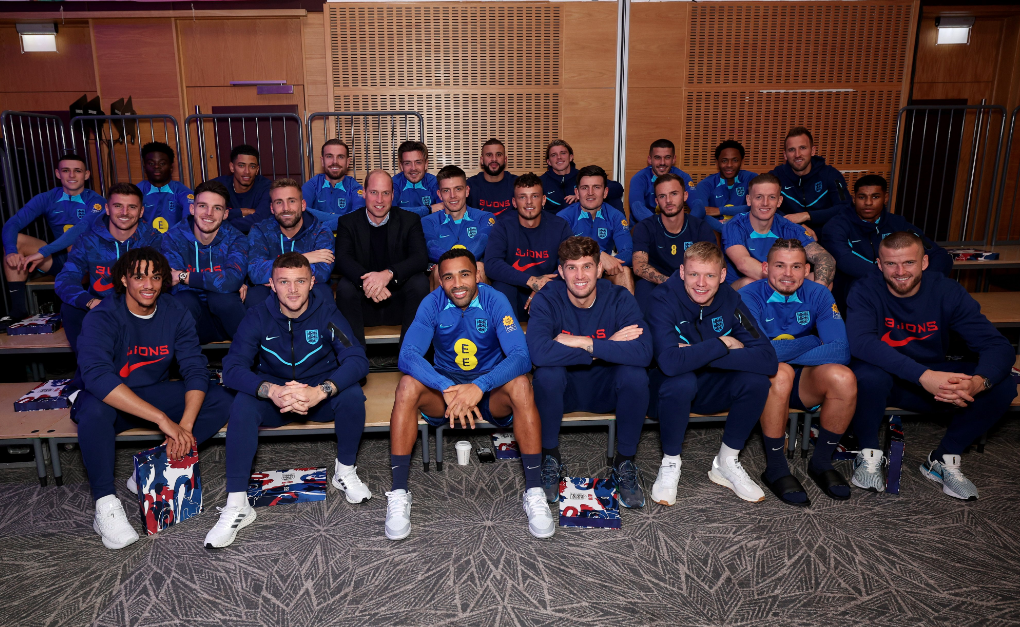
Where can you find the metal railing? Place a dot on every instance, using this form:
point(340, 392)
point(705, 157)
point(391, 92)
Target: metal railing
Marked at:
point(97, 138)
point(279, 138)
point(373, 136)
point(944, 169)
point(1008, 233)
point(32, 144)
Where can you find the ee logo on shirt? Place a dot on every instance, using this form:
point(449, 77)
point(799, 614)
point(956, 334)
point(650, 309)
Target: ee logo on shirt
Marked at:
point(465, 350)
point(160, 224)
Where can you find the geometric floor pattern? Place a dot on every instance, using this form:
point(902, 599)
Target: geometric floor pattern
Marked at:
point(919, 558)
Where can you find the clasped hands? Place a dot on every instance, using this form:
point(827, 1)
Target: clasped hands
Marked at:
point(952, 387)
point(462, 404)
point(296, 397)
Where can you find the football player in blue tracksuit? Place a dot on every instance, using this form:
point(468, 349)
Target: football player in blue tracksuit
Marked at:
point(591, 217)
point(291, 229)
point(414, 189)
point(492, 189)
point(559, 181)
point(209, 260)
point(249, 191)
point(333, 193)
point(520, 257)
point(814, 191)
point(590, 346)
point(111, 235)
point(166, 201)
point(724, 193)
point(748, 237)
point(852, 236)
point(308, 368)
point(810, 341)
point(641, 197)
point(899, 324)
point(711, 357)
point(478, 371)
point(457, 224)
point(63, 208)
point(124, 355)
point(660, 242)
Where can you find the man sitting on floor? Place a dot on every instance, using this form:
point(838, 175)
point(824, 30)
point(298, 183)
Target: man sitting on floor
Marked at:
point(124, 354)
point(306, 356)
point(479, 372)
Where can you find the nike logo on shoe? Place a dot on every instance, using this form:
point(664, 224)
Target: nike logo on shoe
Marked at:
point(129, 368)
point(517, 265)
point(904, 341)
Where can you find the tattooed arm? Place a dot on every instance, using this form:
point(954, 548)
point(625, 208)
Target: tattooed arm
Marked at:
point(645, 270)
point(822, 263)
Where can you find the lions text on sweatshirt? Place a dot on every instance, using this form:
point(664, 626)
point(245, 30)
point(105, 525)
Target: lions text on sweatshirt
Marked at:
point(266, 242)
point(514, 253)
point(219, 266)
point(165, 205)
point(492, 197)
point(821, 192)
point(62, 213)
point(642, 192)
point(471, 232)
point(905, 336)
point(257, 198)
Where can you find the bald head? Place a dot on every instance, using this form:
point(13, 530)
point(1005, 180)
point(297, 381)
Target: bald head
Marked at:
point(378, 194)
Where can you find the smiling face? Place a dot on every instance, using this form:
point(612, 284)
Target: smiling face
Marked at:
point(292, 286)
point(378, 195)
point(799, 151)
point(287, 206)
point(124, 210)
point(529, 202)
point(142, 285)
point(334, 162)
point(902, 268)
point(580, 276)
point(702, 279)
point(157, 168)
point(72, 176)
point(661, 160)
point(729, 163)
point(454, 192)
point(458, 277)
point(493, 159)
point(670, 197)
point(209, 210)
point(591, 192)
point(869, 202)
point(786, 270)
point(414, 165)
point(559, 160)
point(764, 199)
point(244, 168)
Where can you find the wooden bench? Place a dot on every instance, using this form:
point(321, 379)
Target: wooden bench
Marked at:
point(26, 427)
point(1001, 308)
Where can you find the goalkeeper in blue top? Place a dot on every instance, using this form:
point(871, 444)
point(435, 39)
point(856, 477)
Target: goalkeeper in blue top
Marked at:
point(479, 372)
point(810, 340)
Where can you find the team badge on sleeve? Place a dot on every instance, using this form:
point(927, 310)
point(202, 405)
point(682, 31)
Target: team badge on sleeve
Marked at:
point(717, 324)
point(312, 336)
point(623, 222)
point(492, 221)
point(804, 317)
point(97, 207)
point(508, 324)
point(361, 193)
point(191, 197)
point(481, 325)
point(835, 312)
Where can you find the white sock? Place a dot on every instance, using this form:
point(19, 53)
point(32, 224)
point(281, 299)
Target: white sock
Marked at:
point(341, 468)
point(670, 459)
point(726, 452)
point(237, 499)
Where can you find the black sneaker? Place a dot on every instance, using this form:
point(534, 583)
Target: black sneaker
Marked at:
point(552, 472)
point(628, 485)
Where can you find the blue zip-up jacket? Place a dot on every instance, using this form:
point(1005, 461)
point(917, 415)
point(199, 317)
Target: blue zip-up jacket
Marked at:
point(315, 346)
point(903, 336)
point(609, 228)
point(167, 205)
point(492, 197)
point(471, 232)
point(822, 193)
point(642, 192)
point(328, 202)
point(266, 242)
point(556, 188)
point(483, 343)
point(93, 257)
point(675, 319)
point(417, 198)
point(256, 198)
point(62, 213)
point(713, 191)
point(552, 313)
point(219, 267)
point(809, 315)
point(514, 254)
point(116, 347)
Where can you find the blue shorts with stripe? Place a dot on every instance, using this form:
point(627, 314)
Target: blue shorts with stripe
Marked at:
point(483, 406)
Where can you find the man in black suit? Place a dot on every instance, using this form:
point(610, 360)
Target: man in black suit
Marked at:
point(382, 257)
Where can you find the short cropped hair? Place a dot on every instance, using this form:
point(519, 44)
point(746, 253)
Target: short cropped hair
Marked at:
point(661, 143)
point(368, 177)
point(797, 131)
point(592, 170)
point(871, 180)
point(243, 149)
point(132, 262)
point(764, 179)
point(786, 244)
point(412, 146)
point(494, 142)
point(558, 142)
point(455, 253)
point(291, 259)
point(730, 143)
point(668, 177)
point(527, 180)
point(124, 189)
point(278, 183)
point(334, 142)
point(704, 251)
point(901, 239)
point(214, 187)
point(577, 246)
point(159, 147)
point(450, 172)
point(71, 156)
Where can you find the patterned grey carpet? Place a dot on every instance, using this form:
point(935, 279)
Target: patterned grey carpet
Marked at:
point(919, 558)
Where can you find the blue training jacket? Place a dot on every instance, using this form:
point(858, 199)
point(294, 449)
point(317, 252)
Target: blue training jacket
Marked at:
point(266, 242)
point(167, 205)
point(417, 198)
point(62, 213)
point(822, 193)
point(328, 202)
point(556, 188)
point(609, 228)
point(470, 232)
point(315, 346)
point(642, 192)
point(219, 267)
point(256, 198)
point(712, 191)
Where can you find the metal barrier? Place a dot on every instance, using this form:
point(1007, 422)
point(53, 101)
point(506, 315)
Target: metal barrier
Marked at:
point(32, 144)
point(1008, 233)
point(949, 198)
point(279, 138)
point(94, 137)
point(371, 148)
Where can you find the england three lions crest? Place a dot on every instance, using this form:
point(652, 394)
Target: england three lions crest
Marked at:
point(804, 317)
point(481, 325)
point(312, 336)
point(717, 324)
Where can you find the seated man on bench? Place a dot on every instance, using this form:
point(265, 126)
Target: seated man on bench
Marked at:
point(124, 354)
point(456, 225)
point(309, 367)
point(479, 372)
point(166, 200)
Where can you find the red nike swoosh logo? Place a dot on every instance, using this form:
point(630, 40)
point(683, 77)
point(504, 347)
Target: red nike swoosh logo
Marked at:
point(904, 341)
point(129, 368)
point(517, 265)
point(99, 287)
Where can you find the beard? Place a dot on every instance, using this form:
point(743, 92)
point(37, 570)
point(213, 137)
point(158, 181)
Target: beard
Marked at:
point(288, 221)
point(903, 288)
point(499, 169)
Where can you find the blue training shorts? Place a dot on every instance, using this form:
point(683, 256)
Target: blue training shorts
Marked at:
point(483, 406)
point(795, 402)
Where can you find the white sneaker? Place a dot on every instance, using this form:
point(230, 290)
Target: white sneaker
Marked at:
point(398, 514)
point(540, 520)
point(731, 474)
point(345, 479)
point(868, 470)
point(664, 488)
point(132, 485)
point(112, 524)
point(232, 520)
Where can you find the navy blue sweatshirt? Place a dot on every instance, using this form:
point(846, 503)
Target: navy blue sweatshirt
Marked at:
point(256, 198)
point(492, 197)
point(514, 253)
point(904, 336)
point(676, 319)
point(822, 193)
point(315, 346)
point(552, 313)
point(557, 187)
point(118, 347)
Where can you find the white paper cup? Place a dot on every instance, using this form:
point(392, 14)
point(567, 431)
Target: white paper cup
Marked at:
point(463, 452)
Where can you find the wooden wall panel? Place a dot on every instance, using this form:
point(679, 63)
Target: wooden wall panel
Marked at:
point(973, 63)
point(589, 82)
point(316, 75)
point(588, 119)
point(137, 58)
point(46, 80)
point(215, 52)
point(209, 97)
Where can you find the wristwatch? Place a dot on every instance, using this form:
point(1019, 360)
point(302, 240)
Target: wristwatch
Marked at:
point(987, 385)
point(327, 388)
point(182, 277)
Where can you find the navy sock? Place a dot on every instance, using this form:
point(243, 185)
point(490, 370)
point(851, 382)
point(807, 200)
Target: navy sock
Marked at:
point(619, 459)
point(553, 452)
point(937, 454)
point(775, 458)
point(825, 446)
point(19, 303)
point(401, 467)
point(532, 470)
